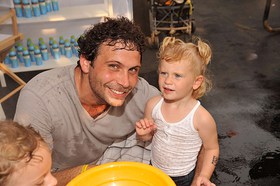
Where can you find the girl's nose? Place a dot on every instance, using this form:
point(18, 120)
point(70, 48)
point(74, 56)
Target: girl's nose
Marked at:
point(168, 79)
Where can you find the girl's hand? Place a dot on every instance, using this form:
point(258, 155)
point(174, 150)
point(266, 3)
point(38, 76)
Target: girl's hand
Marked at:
point(203, 181)
point(145, 126)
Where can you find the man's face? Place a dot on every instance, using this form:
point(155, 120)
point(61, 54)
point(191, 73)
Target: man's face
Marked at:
point(114, 74)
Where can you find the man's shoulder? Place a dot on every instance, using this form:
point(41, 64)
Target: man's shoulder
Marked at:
point(143, 85)
point(55, 72)
point(142, 92)
point(48, 81)
point(50, 76)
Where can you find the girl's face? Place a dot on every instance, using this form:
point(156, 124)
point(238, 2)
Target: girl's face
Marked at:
point(36, 172)
point(176, 80)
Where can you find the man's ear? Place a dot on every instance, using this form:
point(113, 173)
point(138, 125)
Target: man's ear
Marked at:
point(85, 64)
point(197, 82)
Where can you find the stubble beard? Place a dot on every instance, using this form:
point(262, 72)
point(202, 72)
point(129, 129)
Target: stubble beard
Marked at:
point(101, 93)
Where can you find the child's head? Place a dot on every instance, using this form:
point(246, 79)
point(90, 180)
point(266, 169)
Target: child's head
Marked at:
point(25, 158)
point(197, 55)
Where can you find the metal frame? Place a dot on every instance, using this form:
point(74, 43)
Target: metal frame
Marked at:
point(265, 18)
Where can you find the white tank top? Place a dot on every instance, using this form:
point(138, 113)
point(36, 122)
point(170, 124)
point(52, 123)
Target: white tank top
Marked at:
point(175, 146)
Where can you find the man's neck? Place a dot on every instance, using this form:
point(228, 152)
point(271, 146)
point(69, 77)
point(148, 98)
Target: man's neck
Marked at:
point(92, 107)
point(95, 110)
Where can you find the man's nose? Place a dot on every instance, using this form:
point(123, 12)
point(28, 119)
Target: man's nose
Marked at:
point(124, 79)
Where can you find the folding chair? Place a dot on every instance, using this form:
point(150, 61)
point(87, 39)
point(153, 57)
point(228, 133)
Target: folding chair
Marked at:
point(6, 43)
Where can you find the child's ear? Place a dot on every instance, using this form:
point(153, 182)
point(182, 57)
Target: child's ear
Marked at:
point(197, 82)
point(85, 64)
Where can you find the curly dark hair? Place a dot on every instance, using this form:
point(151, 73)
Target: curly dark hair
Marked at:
point(112, 31)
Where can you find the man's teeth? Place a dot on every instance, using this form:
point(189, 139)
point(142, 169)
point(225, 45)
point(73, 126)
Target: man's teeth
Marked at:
point(117, 92)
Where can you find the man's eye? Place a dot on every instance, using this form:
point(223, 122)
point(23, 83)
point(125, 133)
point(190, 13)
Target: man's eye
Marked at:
point(134, 70)
point(113, 66)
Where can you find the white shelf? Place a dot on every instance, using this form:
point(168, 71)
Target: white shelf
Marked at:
point(68, 13)
point(49, 64)
point(4, 36)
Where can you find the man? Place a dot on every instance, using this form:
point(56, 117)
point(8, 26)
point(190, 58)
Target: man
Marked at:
point(81, 110)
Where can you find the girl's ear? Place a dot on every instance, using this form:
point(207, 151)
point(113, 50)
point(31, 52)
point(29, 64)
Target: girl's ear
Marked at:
point(197, 82)
point(85, 64)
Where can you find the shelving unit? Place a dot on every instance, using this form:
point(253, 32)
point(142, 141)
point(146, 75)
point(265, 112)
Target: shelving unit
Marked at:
point(69, 13)
point(49, 64)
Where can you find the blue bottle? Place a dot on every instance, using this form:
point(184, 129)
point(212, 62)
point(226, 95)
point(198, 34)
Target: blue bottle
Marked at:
point(31, 49)
point(76, 46)
point(44, 51)
point(55, 5)
point(49, 5)
point(20, 53)
point(56, 52)
point(68, 50)
point(26, 58)
point(35, 8)
point(28, 42)
point(43, 7)
point(26, 9)
point(7, 60)
point(40, 41)
point(38, 56)
point(13, 58)
point(18, 9)
point(61, 45)
point(50, 45)
point(72, 41)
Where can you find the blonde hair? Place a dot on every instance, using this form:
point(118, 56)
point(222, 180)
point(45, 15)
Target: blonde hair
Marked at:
point(17, 144)
point(198, 55)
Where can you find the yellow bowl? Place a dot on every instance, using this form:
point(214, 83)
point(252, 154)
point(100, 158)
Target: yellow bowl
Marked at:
point(122, 174)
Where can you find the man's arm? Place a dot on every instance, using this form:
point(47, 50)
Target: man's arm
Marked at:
point(31, 110)
point(65, 176)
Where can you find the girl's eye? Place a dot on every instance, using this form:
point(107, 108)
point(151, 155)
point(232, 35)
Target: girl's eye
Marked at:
point(178, 76)
point(163, 73)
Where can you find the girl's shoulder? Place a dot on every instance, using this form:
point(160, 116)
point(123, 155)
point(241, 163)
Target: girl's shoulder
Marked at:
point(153, 101)
point(203, 117)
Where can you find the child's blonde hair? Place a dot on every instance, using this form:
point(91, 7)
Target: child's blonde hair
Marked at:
point(198, 55)
point(17, 144)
